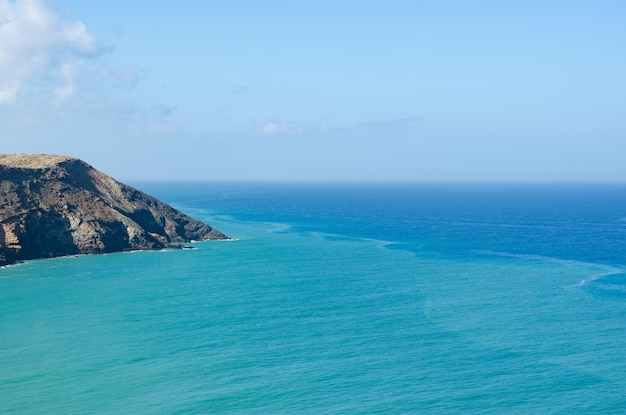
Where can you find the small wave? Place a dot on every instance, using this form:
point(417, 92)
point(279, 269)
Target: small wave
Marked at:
point(341, 237)
point(278, 227)
point(380, 242)
point(535, 257)
point(609, 288)
point(13, 265)
point(596, 277)
point(603, 269)
point(330, 236)
point(193, 241)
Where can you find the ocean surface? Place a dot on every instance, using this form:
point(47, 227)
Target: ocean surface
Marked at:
point(335, 299)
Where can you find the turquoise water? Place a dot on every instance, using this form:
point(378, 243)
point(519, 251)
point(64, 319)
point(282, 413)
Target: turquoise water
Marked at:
point(335, 299)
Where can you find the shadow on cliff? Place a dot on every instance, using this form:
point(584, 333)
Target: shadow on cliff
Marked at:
point(45, 235)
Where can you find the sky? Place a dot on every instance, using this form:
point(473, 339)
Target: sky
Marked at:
point(319, 90)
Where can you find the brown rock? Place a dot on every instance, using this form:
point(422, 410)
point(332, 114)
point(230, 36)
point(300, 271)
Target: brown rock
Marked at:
point(54, 205)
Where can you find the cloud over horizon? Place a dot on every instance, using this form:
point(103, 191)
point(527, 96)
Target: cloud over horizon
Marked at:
point(283, 128)
point(35, 44)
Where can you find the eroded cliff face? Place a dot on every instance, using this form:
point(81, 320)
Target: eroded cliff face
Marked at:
point(54, 205)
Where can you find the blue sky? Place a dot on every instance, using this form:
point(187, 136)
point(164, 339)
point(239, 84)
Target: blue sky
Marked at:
point(319, 90)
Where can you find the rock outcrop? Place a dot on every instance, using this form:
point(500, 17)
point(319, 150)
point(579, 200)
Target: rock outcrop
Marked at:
point(52, 206)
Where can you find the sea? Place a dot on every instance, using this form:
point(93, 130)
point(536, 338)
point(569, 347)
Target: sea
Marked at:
point(335, 298)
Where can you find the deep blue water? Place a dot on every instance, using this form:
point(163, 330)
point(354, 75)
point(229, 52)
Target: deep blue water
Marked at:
point(568, 221)
point(336, 299)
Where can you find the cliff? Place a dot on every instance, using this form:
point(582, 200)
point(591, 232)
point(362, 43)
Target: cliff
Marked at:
point(52, 206)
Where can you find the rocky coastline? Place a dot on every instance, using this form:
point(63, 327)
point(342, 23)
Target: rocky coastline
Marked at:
point(53, 206)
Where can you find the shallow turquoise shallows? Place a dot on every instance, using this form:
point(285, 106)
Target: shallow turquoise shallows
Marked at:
point(335, 299)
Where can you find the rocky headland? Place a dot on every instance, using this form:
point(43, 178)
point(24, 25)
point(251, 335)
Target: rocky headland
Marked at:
point(53, 206)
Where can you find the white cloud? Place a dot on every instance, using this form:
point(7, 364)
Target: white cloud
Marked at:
point(68, 88)
point(35, 42)
point(277, 128)
point(271, 128)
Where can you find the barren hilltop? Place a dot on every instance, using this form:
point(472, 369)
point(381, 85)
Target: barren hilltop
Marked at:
point(56, 205)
